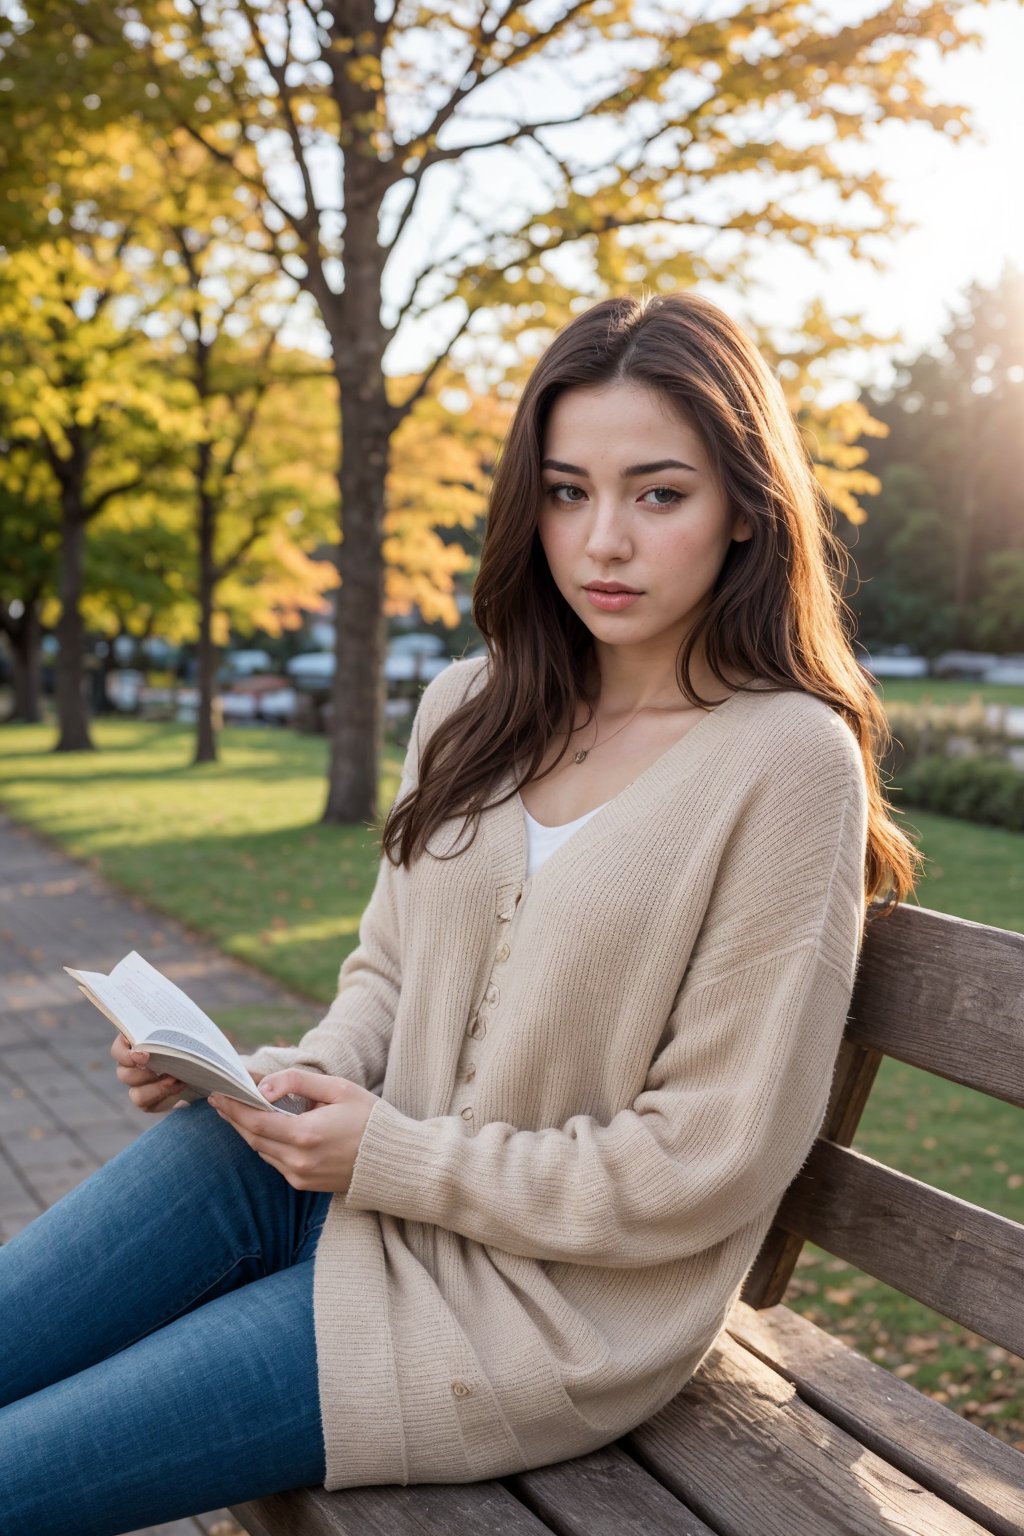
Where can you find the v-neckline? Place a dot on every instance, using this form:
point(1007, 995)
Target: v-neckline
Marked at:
point(560, 826)
point(508, 824)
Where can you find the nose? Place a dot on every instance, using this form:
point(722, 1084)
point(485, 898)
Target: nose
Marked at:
point(608, 535)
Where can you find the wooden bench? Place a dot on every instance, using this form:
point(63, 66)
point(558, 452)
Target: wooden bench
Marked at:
point(784, 1431)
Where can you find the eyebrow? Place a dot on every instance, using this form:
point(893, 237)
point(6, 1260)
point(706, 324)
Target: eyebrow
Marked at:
point(627, 474)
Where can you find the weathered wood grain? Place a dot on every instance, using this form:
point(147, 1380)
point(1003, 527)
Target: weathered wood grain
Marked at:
point(429, 1509)
point(740, 1447)
point(604, 1494)
point(946, 995)
point(958, 1258)
point(972, 1470)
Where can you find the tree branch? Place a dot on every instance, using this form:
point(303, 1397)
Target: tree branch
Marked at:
point(259, 525)
point(309, 226)
point(399, 412)
point(455, 152)
point(97, 504)
point(248, 420)
point(474, 76)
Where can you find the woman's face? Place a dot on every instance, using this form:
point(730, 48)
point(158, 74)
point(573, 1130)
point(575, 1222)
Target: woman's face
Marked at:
point(630, 500)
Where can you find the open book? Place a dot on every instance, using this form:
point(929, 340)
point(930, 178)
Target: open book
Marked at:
point(156, 1016)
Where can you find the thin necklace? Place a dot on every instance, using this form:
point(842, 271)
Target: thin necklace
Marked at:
point(582, 755)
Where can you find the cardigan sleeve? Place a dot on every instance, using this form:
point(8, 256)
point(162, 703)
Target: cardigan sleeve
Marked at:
point(732, 1100)
point(354, 1037)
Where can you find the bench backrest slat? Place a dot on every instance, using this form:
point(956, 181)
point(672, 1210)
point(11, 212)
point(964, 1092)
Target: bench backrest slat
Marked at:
point(947, 995)
point(957, 1258)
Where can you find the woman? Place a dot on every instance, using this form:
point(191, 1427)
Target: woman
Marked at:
point(587, 1036)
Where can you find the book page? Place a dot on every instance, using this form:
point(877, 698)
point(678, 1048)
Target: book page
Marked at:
point(165, 1004)
point(157, 1007)
point(184, 1053)
point(177, 1041)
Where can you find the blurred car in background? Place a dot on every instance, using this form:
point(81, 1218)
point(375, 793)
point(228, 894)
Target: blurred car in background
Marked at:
point(897, 661)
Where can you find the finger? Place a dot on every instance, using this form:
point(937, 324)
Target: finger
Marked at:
point(255, 1138)
point(136, 1076)
point(316, 1086)
point(123, 1056)
point(144, 1097)
point(157, 1094)
point(135, 1060)
point(257, 1122)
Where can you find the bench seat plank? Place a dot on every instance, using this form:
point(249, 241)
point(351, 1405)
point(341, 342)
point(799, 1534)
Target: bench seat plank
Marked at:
point(956, 1459)
point(427, 1509)
point(740, 1447)
point(604, 1494)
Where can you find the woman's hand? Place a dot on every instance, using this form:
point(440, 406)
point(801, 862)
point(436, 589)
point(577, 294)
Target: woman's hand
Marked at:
point(316, 1150)
point(148, 1090)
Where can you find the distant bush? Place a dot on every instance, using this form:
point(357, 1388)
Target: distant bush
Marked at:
point(985, 789)
point(927, 729)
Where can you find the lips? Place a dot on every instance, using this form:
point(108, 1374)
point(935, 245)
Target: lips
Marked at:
point(613, 601)
point(609, 586)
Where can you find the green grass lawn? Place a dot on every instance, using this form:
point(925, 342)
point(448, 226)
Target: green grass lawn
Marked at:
point(946, 690)
point(235, 850)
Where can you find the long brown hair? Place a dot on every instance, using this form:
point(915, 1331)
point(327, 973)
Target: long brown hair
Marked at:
point(776, 610)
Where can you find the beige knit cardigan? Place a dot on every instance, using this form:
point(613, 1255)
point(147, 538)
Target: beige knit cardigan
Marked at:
point(595, 1085)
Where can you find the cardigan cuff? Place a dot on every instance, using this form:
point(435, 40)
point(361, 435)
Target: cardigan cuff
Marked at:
point(397, 1164)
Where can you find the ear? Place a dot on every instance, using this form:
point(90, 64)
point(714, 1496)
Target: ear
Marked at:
point(741, 528)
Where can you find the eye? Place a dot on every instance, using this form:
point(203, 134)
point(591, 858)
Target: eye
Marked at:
point(667, 490)
point(552, 492)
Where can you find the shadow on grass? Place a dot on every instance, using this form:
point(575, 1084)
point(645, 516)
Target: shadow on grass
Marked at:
point(286, 900)
point(262, 755)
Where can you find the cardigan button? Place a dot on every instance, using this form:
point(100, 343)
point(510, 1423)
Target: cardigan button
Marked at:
point(470, 1073)
point(502, 953)
point(461, 1389)
point(478, 1029)
point(492, 995)
point(467, 1113)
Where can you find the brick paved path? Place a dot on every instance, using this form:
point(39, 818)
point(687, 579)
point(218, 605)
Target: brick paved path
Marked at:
point(62, 1110)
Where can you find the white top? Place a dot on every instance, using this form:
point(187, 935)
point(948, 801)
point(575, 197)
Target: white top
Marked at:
point(541, 841)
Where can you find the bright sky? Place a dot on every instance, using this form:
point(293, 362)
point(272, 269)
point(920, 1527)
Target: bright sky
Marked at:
point(965, 200)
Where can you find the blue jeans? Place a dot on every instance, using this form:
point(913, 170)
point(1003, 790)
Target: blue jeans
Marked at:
point(157, 1353)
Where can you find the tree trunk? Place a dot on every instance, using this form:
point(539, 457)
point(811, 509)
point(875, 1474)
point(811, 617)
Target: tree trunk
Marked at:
point(25, 635)
point(358, 343)
point(357, 695)
point(72, 715)
point(206, 736)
